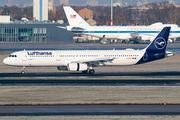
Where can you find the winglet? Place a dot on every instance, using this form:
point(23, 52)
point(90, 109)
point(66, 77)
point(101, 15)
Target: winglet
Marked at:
point(74, 19)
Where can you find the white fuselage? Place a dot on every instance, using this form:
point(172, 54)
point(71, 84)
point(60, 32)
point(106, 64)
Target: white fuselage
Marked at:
point(78, 25)
point(63, 58)
point(128, 32)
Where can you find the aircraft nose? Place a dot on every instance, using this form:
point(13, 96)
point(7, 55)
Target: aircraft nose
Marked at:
point(6, 61)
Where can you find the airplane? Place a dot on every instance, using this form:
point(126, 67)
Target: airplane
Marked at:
point(125, 33)
point(85, 60)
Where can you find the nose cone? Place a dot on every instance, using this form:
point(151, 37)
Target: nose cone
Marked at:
point(6, 61)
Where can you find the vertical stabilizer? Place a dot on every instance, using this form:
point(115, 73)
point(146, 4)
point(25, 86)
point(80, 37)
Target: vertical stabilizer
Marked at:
point(74, 19)
point(159, 44)
point(157, 49)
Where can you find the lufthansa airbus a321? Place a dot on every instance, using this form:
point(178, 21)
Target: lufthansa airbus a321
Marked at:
point(85, 60)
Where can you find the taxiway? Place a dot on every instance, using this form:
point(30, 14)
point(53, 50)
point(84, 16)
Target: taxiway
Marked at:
point(89, 110)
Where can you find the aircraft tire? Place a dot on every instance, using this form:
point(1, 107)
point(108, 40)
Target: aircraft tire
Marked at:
point(123, 41)
point(84, 72)
point(91, 71)
point(23, 72)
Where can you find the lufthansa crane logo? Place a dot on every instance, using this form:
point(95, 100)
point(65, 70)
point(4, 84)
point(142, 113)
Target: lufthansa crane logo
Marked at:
point(160, 43)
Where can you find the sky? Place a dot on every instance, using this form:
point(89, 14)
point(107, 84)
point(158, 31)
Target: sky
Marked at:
point(3, 2)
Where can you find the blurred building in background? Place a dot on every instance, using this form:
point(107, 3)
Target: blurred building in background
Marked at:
point(64, 2)
point(92, 3)
point(34, 31)
point(85, 13)
point(50, 5)
point(40, 10)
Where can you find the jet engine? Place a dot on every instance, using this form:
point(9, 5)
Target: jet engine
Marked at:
point(169, 40)
point(77, 67)
point(146, 37)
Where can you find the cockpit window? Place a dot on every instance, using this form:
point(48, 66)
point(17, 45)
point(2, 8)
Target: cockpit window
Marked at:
point(13, 56)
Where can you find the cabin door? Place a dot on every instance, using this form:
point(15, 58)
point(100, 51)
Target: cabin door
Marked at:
point(24, 56)
point(58, 57)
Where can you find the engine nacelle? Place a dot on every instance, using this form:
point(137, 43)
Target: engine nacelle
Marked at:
point(169, 40)
point(69, 28)
point(146, 37)
point(77, 67)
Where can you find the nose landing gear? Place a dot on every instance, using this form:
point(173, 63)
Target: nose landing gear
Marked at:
point(23, 70)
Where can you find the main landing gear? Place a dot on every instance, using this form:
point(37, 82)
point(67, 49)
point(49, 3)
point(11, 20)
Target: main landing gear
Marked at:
point(23, 70)
point(84, 72)
point(91, 71)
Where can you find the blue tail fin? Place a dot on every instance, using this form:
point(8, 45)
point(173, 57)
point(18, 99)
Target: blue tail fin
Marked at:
point(160, 42)
point(157, 49)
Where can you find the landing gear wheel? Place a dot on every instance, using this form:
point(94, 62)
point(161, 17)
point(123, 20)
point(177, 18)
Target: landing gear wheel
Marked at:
point(123, 41)
point(91, 71)
point(84, 72)
point(23, 72)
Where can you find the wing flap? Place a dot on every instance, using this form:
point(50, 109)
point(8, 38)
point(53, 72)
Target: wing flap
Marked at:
point(99, 61)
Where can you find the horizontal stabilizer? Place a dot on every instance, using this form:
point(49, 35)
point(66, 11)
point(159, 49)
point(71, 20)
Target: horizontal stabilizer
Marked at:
point(77, 29)
point(61, 27)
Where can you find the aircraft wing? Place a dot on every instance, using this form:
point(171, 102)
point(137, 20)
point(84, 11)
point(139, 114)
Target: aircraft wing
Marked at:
point(147, 34)
point(144, 36)
point(140, 34)
point(95, 62)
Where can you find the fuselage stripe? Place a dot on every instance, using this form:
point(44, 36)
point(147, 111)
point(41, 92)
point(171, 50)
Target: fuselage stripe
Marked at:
point(122, 31)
